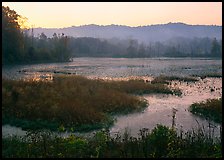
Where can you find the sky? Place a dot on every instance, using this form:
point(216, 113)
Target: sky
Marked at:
point(67, 14)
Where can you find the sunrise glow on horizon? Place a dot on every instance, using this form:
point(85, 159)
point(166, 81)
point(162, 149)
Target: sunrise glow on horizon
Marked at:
point(67, 14)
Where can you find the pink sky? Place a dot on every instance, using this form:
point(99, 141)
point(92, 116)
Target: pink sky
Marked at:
point(66, 14)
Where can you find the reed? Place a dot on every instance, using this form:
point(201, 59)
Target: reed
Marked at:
point(72, 101)
point(210, 109)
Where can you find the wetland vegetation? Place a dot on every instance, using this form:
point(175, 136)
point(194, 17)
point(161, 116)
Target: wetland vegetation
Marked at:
point(210, 109)
point(161, 142)
point(166, 79)
point(78, 104)
point(72, 101)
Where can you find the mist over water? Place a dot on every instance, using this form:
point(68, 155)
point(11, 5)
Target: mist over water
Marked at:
point(117, 67)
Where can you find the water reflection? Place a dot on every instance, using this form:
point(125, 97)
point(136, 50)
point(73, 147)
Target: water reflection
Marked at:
point(42, 77)
point(119, 67)
point(160, 106)
point(160, 109)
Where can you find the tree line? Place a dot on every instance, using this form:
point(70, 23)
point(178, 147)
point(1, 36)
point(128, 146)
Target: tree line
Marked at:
point(131, 48)
point(19, 46)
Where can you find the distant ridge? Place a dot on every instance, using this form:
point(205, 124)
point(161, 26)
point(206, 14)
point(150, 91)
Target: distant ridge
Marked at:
point(170, 23)
point(148, 33)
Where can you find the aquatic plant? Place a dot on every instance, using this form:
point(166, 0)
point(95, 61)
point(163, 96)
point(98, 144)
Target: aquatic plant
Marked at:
point(210, 109)
point(207, 75)
point(162, 79)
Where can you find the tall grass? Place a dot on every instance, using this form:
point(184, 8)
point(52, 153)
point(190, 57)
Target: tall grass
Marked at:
point(72, 101)
point(140, 87)
point(161, 142)
point(209, 109)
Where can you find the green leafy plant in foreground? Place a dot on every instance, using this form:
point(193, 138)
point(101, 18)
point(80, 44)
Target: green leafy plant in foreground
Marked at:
point(161, 142)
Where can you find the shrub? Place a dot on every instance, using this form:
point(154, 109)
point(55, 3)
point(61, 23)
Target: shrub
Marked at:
point(161, 142)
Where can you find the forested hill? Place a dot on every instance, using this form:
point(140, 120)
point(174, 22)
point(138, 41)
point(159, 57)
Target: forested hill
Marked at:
point(146, 34)
point(35, 45)
point(19, 47)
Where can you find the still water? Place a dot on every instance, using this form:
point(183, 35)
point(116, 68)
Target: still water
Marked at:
point(117, 67)
point(160, 106)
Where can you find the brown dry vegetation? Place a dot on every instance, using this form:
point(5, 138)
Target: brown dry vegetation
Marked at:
point(73, 100)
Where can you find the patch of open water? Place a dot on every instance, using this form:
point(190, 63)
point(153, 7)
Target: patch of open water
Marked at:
point(160, 106)
point(160, 110)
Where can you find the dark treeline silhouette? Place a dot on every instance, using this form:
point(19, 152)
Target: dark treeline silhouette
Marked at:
point(131, 48)
point(43, 48)
point(19, 47)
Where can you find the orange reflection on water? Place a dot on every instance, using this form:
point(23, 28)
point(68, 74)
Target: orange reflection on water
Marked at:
point(42, 77)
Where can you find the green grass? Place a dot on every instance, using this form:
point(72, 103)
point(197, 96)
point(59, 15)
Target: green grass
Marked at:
point(210, 109)
point(161, 142)
point(72, 101)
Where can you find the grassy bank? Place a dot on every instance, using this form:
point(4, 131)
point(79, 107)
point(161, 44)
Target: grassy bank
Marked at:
point(72, 101)
point(210, 109)
point(161, 142)
point(139, 87)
